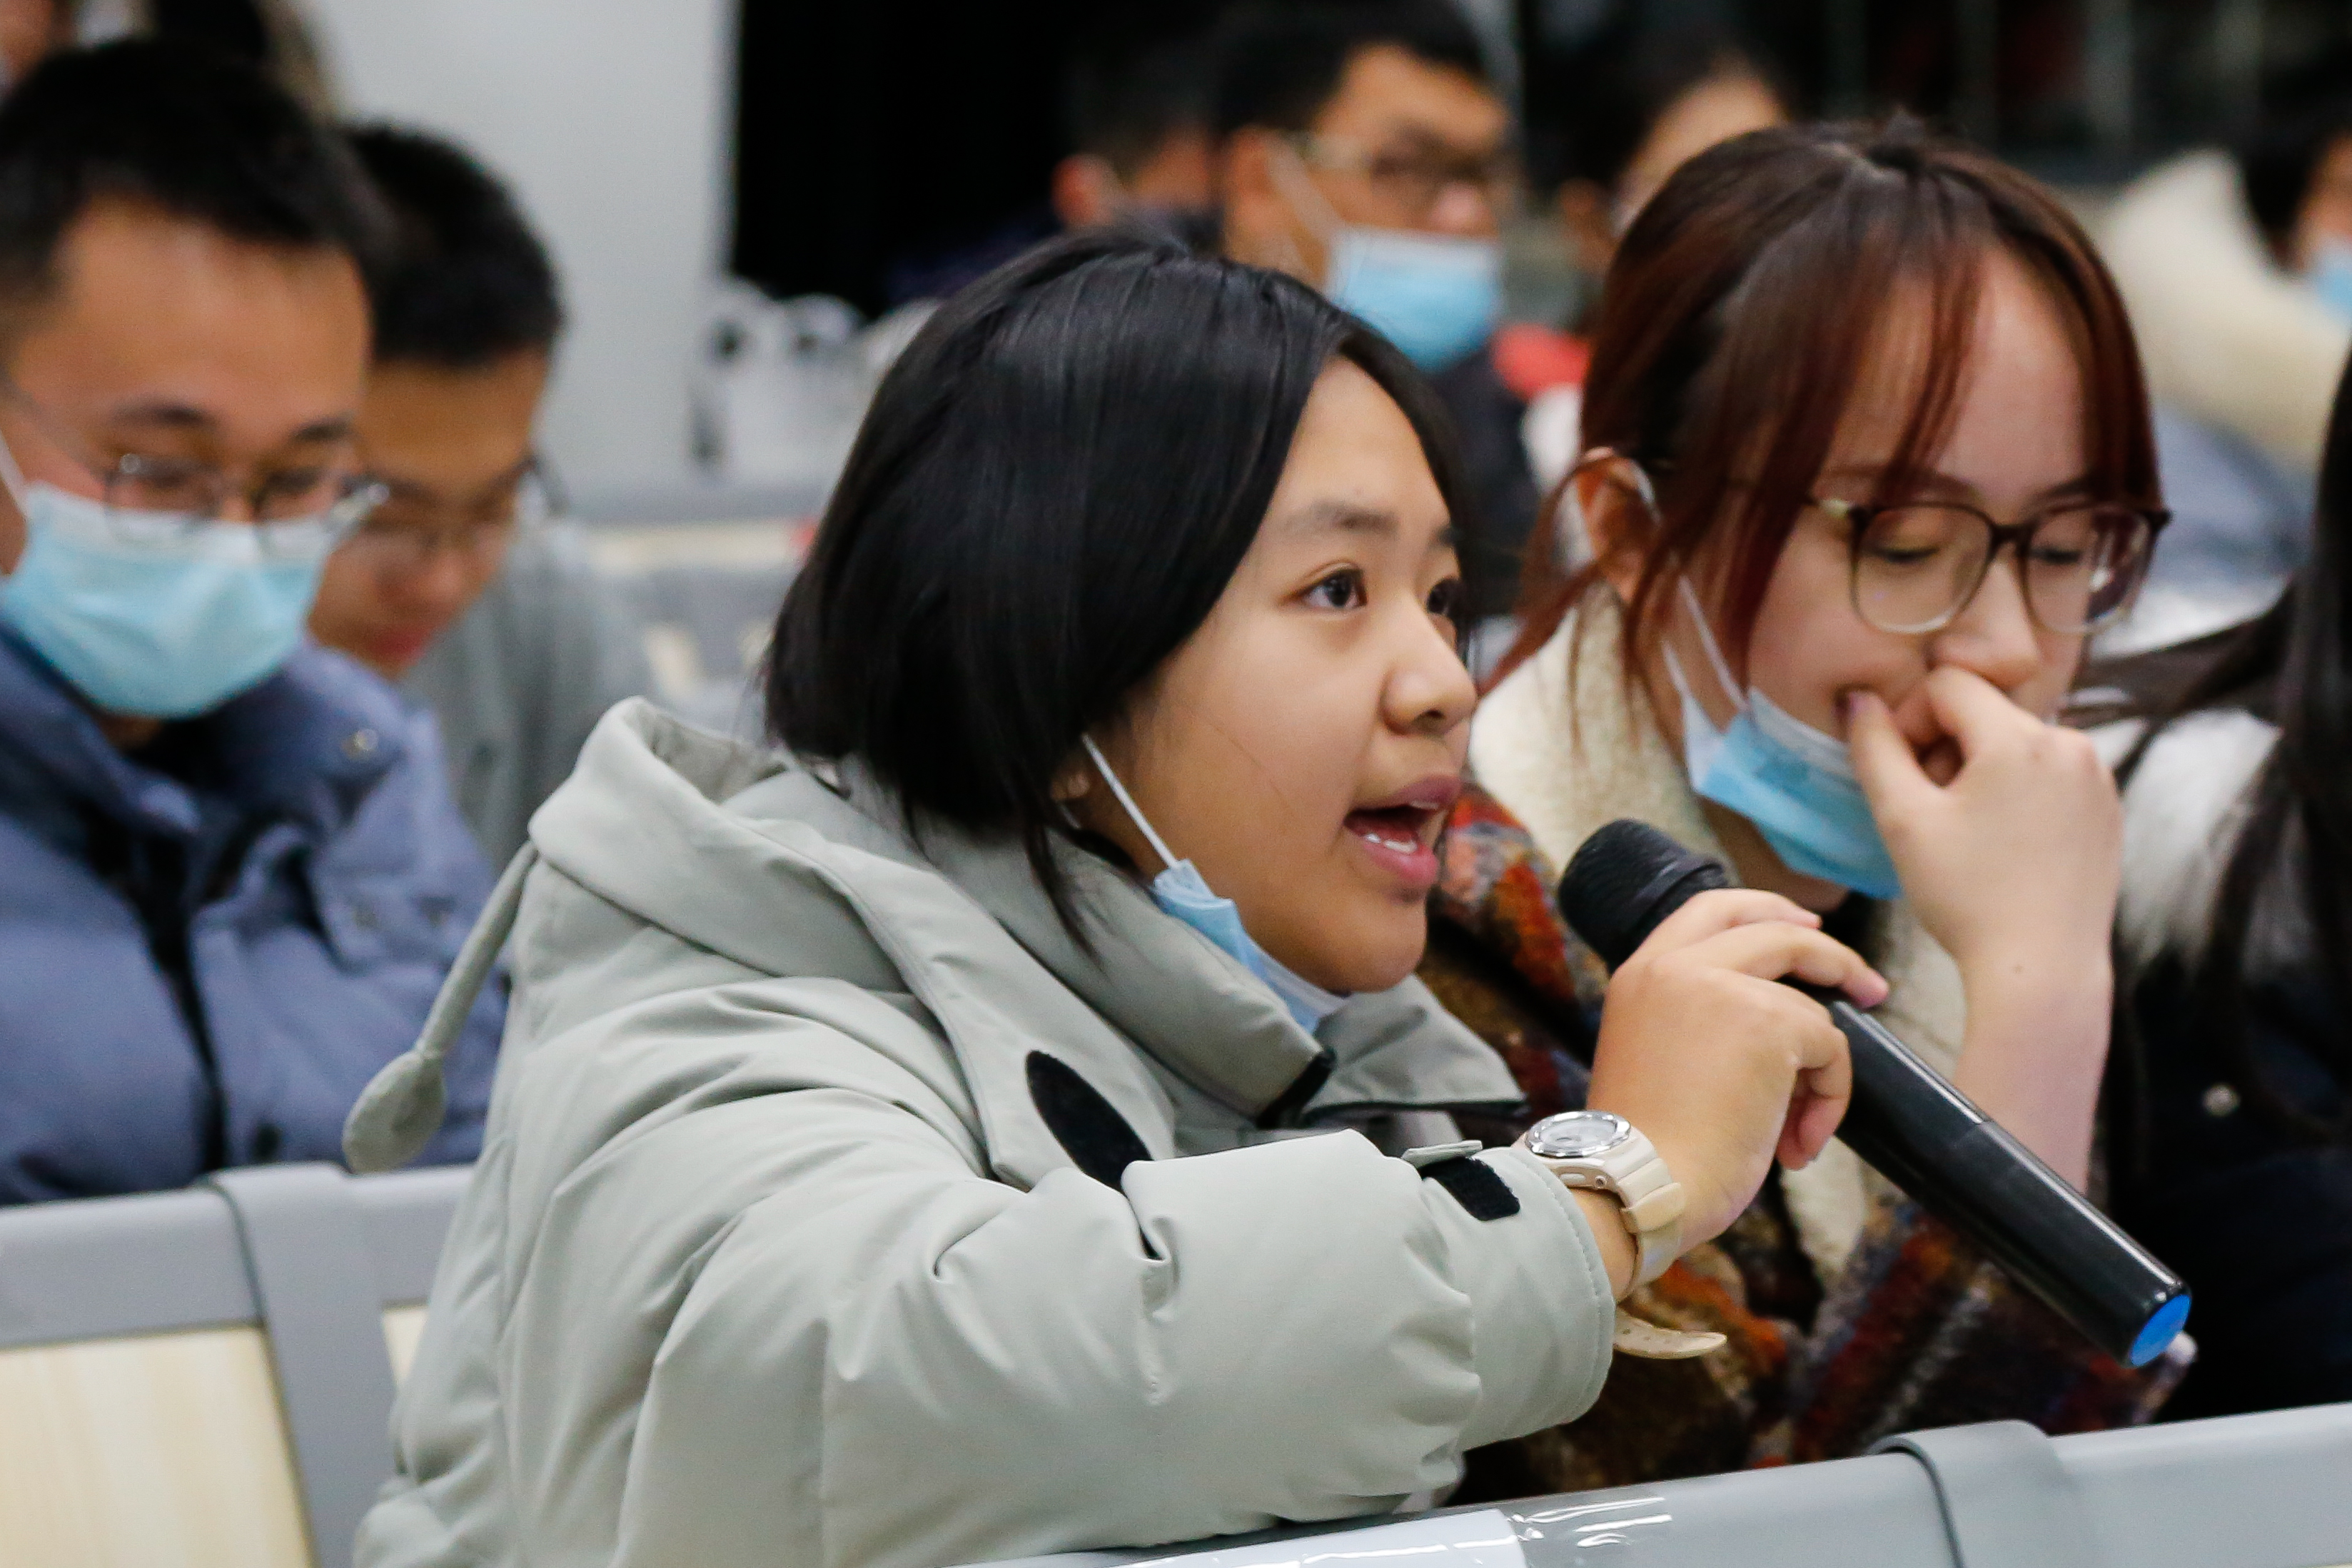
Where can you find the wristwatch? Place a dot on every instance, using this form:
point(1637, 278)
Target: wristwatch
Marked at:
point(1601, 1151)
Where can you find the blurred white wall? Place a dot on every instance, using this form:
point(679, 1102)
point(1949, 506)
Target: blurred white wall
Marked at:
point(613, 120)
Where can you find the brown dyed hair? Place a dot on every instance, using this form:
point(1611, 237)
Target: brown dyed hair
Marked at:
point(1735, 326)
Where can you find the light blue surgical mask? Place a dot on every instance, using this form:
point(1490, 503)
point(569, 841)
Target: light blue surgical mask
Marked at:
point(1437, 297)
point(155, 614)
point(2330, 276)
point(1180, 891)
point(1794, 782)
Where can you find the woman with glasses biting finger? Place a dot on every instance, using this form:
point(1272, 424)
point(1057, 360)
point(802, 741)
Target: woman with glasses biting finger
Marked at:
point(1866, 460)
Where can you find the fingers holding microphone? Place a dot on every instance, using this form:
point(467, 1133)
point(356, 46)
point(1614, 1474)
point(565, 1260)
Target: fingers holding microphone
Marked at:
point(1724, 1068)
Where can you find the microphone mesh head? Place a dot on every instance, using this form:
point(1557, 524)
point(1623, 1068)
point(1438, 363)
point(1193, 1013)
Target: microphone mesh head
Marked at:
point(1624, 881)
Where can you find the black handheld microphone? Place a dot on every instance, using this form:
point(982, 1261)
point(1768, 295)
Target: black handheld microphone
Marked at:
point(1915, 1127)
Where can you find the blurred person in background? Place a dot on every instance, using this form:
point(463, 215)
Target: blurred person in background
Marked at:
point(1138, 107)
point(1363, 149)
point(231, 877)
point(2230, 1091)
point(459, 586)
point(2237, 266)
point(1607, 123)
point(1868, 459)
point(30, 32)
point(272, 36)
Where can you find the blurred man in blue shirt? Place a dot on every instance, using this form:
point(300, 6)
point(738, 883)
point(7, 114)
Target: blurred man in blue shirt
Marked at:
point(231, 877)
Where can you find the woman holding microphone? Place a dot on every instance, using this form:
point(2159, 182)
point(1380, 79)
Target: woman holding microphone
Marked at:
point(896, 1159)
point(1866, 459)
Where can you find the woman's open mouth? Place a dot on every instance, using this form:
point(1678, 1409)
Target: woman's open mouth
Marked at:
point(1399, 832)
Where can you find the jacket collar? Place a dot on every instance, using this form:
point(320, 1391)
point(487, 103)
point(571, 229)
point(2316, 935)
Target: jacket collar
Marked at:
point(657, 806)
point(1185, 1001)
point(1193, 1007)
point(307, 743)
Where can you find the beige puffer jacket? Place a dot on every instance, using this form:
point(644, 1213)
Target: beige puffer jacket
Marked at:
point(783, 1247)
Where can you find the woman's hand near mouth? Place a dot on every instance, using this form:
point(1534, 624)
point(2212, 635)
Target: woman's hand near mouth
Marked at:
point(2012, 861)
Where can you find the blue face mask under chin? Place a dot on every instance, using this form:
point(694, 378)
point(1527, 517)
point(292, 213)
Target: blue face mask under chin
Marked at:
point(1794, 782)
point(1181, 892)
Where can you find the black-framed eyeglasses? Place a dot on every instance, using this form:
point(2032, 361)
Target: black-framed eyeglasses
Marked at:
point(143, 493)
point(1916, 565)
point(1418, 178)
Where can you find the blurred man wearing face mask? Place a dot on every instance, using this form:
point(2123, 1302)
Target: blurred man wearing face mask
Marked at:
point(231, 878)
point(1362, 149)
point(461, 585)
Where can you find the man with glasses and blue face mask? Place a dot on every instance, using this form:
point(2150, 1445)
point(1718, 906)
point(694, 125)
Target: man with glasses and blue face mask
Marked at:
point(231, 878)
point(1362, 149)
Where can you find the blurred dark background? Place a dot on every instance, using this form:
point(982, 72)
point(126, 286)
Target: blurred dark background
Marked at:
point(924, 140)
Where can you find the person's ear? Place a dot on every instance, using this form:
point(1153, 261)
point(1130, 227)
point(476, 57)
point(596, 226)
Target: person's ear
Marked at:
point(1620, 520)
point(1260, 228)
point(1074, 780)
point(1585, 218)
point(1086, 192)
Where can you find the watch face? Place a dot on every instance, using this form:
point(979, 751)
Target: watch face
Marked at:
point(1578, 1134)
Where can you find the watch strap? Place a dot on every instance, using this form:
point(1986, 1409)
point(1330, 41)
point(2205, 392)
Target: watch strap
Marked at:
point(1653, 1215)
point(1652, 1342)
point(1650, 1200)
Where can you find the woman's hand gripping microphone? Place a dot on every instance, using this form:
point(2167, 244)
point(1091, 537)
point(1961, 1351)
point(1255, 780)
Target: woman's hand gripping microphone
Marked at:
point(1724, 1068)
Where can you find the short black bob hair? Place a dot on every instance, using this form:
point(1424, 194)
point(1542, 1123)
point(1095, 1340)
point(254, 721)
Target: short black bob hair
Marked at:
point(461, 281)
point(1052, 487)
point(178, 127)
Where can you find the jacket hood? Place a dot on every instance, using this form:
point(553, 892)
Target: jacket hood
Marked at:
point(793, 870)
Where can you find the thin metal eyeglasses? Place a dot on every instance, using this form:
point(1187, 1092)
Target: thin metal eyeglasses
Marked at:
point(1915, 565)
point(288, 505)
point(411, 526)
